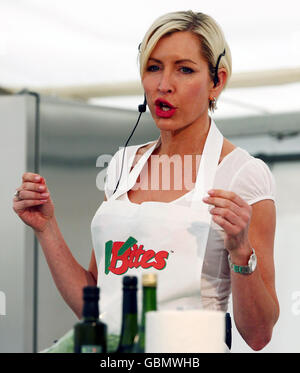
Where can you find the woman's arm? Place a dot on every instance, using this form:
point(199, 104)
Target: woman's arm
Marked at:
point(69, 276)
point(255, 303)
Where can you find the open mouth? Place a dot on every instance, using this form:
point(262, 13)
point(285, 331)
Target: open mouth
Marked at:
point(164, 105)
point(164, 109)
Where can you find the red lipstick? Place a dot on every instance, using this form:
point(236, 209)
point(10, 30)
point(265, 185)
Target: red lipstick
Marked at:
point(164, 109)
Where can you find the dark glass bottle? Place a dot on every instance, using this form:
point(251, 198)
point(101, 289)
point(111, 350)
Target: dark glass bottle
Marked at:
point(129, 317)
point(90, 333)
point(149, 282)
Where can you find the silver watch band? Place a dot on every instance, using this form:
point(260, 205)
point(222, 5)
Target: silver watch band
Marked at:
point(244, 270)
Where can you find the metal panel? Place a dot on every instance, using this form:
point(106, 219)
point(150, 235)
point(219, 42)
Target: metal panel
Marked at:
point(16, 254)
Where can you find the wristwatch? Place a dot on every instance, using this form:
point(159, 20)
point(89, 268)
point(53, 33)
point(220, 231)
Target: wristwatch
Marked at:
point(244, 270)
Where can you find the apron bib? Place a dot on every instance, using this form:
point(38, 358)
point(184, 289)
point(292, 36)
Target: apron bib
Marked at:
point(165, 238)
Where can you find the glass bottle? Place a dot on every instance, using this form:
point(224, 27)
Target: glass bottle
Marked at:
point(129, 317)
point(149, 282)
point(90, 334)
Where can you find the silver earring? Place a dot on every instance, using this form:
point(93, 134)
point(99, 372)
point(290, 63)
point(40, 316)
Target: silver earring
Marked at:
point(213, 104)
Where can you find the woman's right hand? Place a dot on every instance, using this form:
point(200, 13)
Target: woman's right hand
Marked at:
point(34, 205)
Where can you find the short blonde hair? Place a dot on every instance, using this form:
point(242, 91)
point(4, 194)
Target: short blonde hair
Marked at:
point(203, 26)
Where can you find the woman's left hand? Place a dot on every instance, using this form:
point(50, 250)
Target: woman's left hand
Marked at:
point(232, 214)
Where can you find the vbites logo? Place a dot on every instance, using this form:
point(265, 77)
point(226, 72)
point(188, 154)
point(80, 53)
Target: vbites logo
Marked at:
point(130, 255)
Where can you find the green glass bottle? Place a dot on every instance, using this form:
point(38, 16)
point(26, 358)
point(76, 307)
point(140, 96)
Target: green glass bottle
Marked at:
point(129, 317)
point(149, 282)
point(90, 334)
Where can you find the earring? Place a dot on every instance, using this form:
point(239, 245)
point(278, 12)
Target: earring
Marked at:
point(212, 104)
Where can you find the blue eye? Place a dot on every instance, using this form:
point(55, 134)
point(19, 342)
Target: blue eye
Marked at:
point(152, 68)
point(186, 70)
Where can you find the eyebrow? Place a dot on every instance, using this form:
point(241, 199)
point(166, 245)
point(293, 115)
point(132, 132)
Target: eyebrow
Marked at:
point(176, 62)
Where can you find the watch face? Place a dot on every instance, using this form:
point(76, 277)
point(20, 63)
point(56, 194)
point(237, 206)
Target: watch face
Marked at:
point(252, 262)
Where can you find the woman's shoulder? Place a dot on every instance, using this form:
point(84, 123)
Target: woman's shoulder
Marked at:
point(242, 163)
point(232, 158)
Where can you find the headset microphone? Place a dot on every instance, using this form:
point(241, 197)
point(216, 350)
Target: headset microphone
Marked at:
point(142, 108)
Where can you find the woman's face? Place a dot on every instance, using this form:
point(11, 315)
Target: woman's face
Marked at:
point(177, 82)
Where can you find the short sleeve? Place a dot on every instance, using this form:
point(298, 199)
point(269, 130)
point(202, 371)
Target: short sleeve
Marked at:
point(254, 182)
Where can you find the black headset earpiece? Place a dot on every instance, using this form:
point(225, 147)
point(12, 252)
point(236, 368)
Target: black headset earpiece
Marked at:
point(142, 108)
point(216, 78)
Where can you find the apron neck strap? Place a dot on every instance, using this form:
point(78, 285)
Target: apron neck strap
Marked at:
point(208, 164)
point(128, 179)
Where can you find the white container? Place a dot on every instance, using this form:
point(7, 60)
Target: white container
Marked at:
point(188, 331)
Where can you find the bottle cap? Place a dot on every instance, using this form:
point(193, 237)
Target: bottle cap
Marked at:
point(130, 281)
point(149, 279)
point(91, 292)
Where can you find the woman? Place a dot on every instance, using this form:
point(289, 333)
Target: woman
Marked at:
point(187, 232)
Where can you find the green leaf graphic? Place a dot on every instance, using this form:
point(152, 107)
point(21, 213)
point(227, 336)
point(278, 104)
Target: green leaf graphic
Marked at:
point(108, 250)
point(126, 245)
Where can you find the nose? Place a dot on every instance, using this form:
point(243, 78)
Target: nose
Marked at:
point(165, 83)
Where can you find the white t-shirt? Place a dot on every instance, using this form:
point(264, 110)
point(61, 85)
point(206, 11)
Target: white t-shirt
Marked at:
point(245, 175)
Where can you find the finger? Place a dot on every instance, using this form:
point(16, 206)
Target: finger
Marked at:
point(229, 228)
point(233, 197)
point(244, 213)
point(226, 214)
point(223, 203)
point(29, 176)
point(25, 203)
point(25, 194)
point(36, 187)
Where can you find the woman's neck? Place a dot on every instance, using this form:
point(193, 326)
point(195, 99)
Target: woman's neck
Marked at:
point(188, 140)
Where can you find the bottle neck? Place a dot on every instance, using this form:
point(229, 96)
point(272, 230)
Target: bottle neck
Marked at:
point(129, 301)
point(149, 301)
point(129, 318)
point(90, 310)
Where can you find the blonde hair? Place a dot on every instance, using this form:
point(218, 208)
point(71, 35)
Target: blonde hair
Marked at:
point(211, 37)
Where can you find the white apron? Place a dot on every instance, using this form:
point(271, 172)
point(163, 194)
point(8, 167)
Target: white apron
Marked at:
point(160, 237)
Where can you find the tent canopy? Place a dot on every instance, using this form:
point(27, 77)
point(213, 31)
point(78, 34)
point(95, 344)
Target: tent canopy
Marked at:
point(88, 49)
